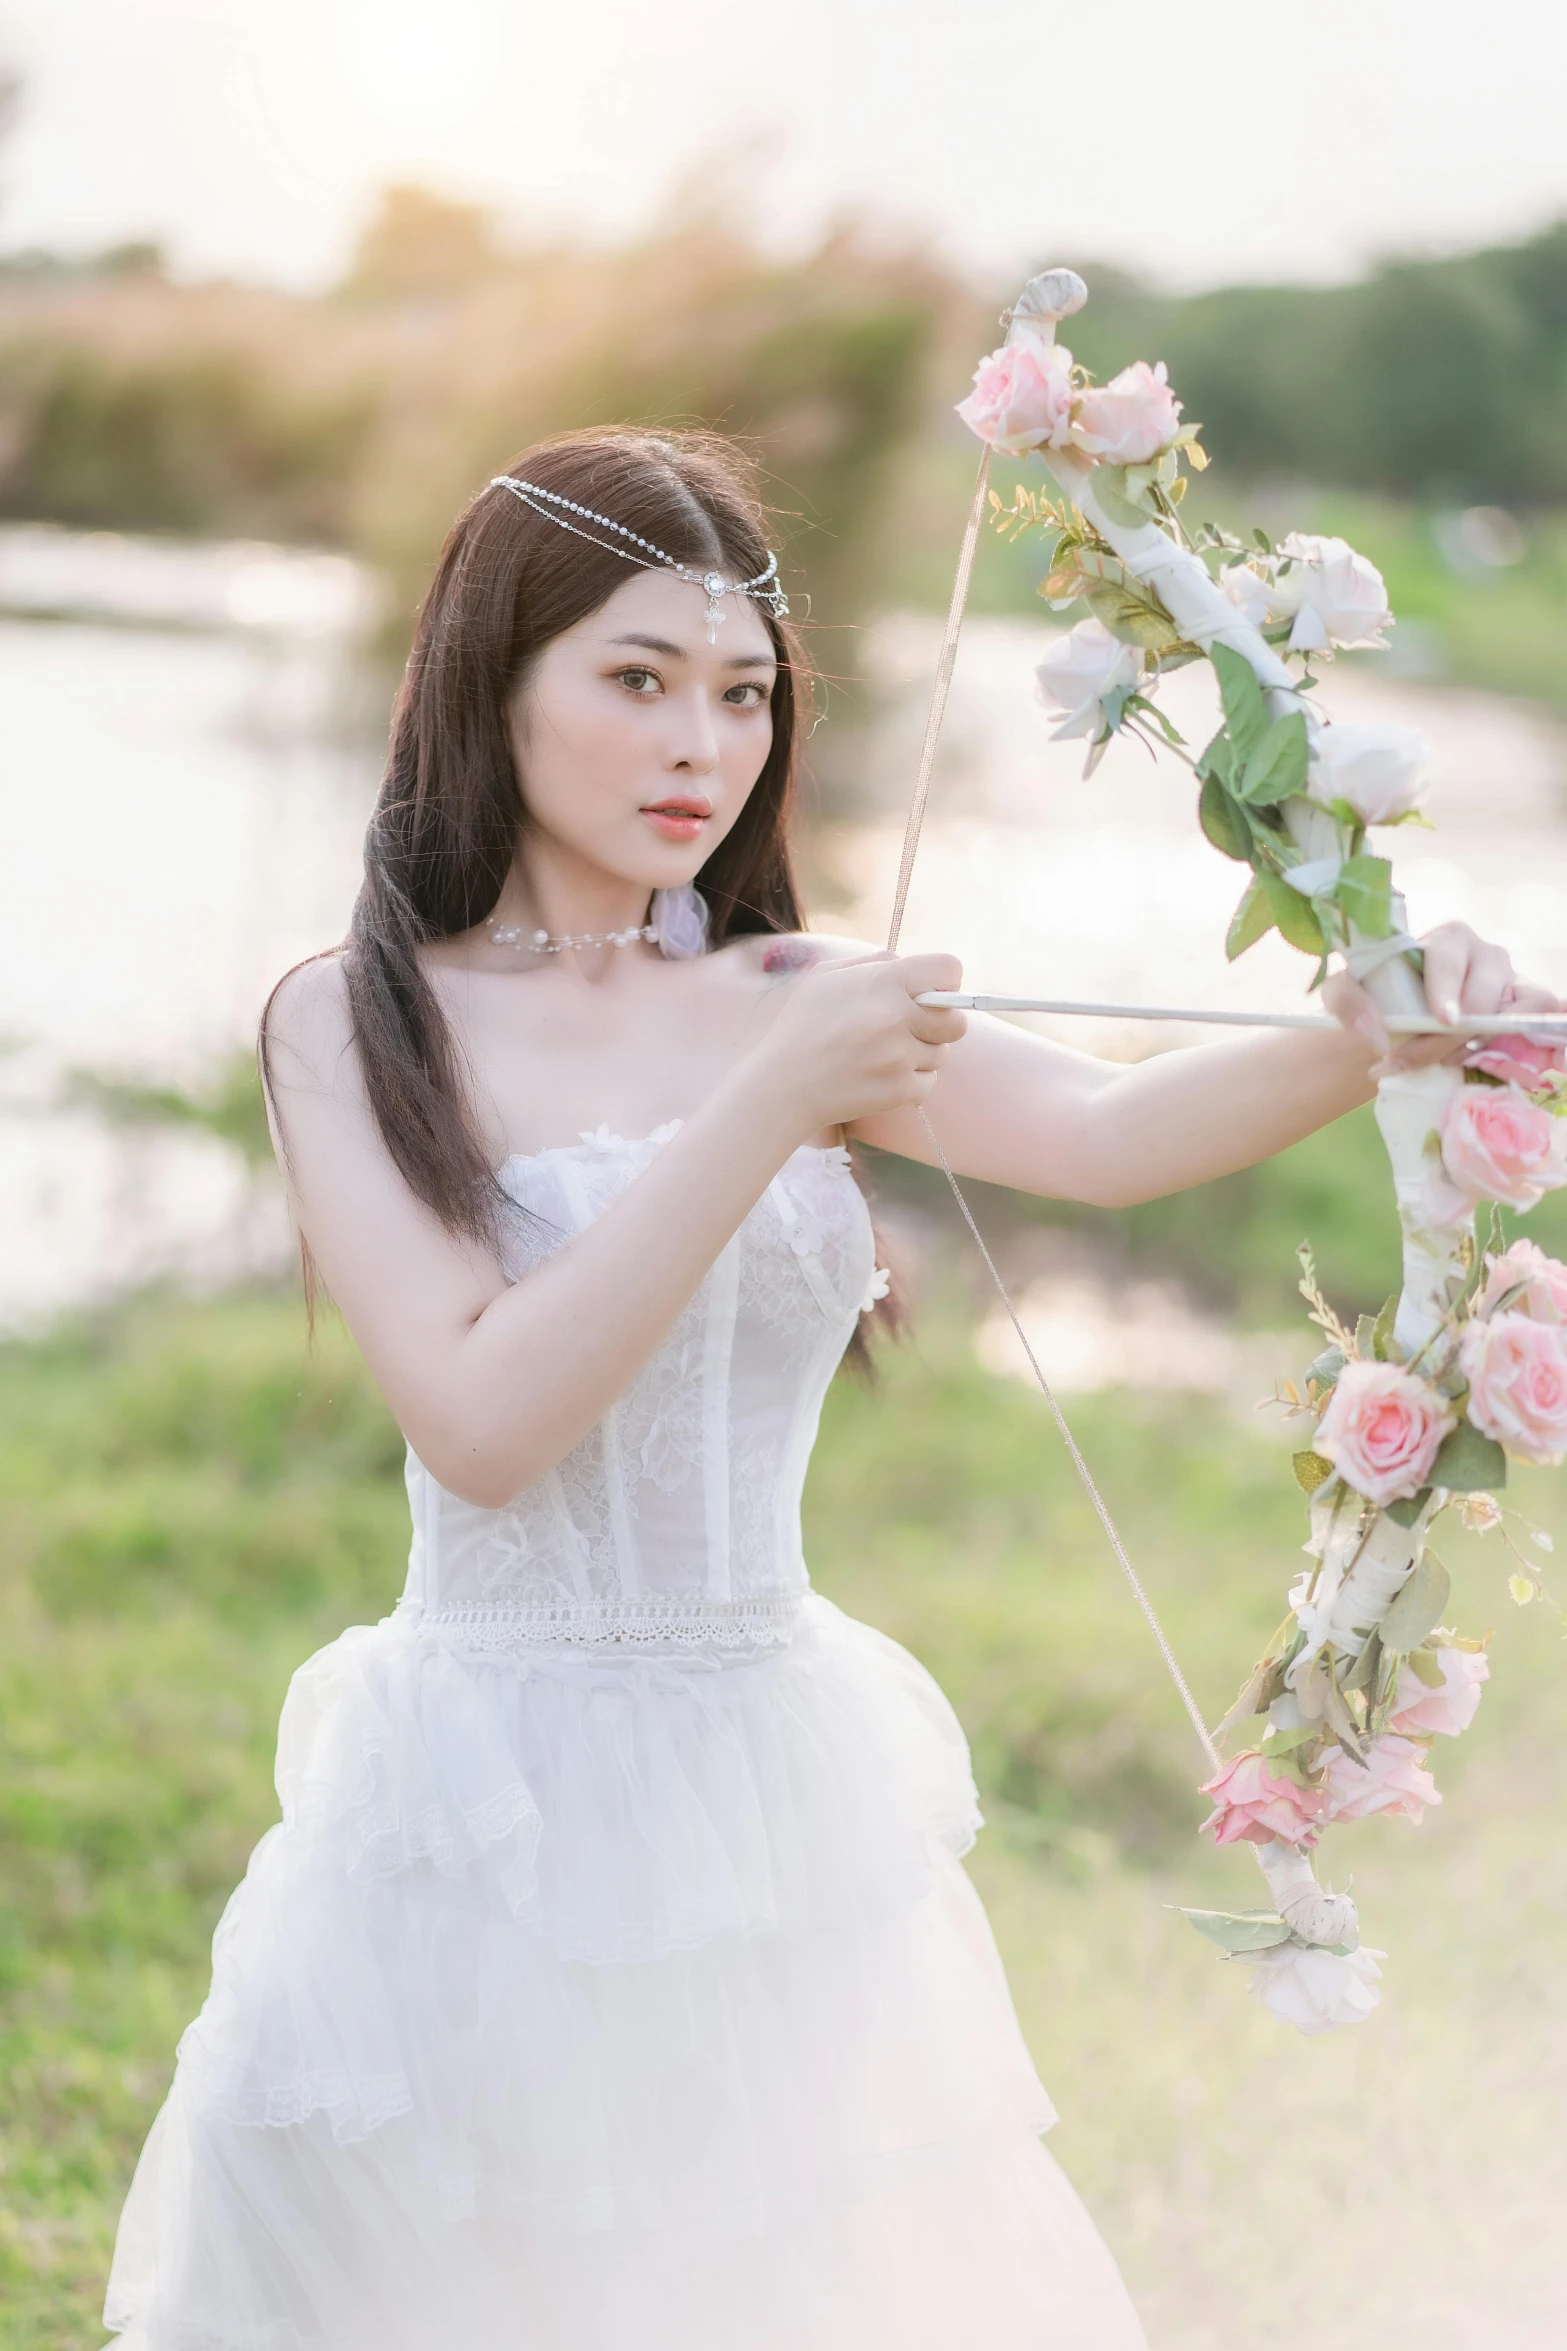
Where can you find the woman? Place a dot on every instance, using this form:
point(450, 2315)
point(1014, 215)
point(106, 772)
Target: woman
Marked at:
point(612, 1979)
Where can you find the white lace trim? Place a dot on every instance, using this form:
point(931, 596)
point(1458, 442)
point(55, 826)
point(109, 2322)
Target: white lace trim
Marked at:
point(355, 2110)
point(684, 1624)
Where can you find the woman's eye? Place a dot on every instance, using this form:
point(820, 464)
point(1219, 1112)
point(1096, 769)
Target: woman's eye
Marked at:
point(639, 681)
point(747, 696)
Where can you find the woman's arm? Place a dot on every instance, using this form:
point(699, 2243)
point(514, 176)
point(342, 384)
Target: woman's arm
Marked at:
point(493, 1382)
point(1017, 1109)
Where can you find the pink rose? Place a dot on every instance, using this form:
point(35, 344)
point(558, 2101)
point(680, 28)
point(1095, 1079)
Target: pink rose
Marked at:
point(1254, 1805)
point(1517, 1061)
point(1392, 1779)
point(1420, 1711)
point(1544, 1295)
point(1130, 419)
point(1022, 398)
point(1517, 1374)
point(1381, 1429)
point(1496, 1145)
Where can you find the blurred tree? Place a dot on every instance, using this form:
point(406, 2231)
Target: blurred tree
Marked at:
point(1436, 379)
point(180, 437)
point(419, 244)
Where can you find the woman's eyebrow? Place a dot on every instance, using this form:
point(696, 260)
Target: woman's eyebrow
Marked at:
point(680, 652)
point(653, 645)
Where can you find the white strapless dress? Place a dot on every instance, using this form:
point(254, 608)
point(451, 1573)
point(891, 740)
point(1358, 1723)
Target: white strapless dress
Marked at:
point(612, 1982)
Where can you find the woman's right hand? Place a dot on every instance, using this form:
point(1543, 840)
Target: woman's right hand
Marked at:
point(850, 1042)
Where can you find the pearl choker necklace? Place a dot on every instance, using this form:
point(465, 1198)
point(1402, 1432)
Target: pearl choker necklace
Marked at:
point(676, 926)
point(510, 934)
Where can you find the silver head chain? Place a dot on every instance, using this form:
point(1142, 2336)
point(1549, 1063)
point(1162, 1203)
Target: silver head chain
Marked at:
point(764, 589)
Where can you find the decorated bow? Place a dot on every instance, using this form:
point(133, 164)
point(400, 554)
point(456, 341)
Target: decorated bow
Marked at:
point(1417, 1408)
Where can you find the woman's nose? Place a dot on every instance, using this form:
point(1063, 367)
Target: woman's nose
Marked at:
point(695, 743)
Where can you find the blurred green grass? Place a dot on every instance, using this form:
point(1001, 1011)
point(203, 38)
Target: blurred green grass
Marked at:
point(191, 1501)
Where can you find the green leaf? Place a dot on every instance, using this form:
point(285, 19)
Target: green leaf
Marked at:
point(1256, 1694)
point(1131, 614)
point(1363, 1673)
point(1239, 1930)
point(1382, 1329)
point(1469, 1463)
point(1311, 1469)
point(1217, 758)
point(1296, 917)
point(1340, 1720)
point(1325, 1368)
point(1404, 1513)
point(1418, 1606)
point(1281, 1743)
point(1222, 821)
point(1156, 717)
point(1425, 1668)
point(1129, 610)
point(1252, 918)
point(1364, 890)
point(1245, 711)
point(1276, 769)
point(1113, 495)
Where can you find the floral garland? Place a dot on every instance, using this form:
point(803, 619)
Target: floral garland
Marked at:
point(1419, 1407)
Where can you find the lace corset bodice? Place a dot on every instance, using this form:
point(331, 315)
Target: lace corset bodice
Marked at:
point(677, 1518)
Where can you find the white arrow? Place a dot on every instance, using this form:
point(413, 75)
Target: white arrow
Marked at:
point(1549, 1026)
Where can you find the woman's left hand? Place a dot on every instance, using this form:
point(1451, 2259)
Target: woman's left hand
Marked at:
point(1463, 974)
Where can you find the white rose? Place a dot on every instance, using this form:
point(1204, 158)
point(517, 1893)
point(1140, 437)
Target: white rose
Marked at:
point(1252, 593)
point(1378, 770)
point(1315, 1990)
point(1337, 598)
point(1077, 673)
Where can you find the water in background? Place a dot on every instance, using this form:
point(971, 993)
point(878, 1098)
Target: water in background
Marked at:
point(186, 764)
point(189, 748)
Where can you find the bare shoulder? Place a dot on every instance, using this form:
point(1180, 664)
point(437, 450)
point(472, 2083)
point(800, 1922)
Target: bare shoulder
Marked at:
point(308, 1026)
point(780, 955)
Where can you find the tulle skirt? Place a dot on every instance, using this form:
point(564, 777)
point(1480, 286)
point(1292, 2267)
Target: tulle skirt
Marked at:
point(583, 2002)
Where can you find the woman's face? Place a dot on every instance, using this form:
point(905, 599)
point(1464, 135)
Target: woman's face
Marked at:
point(636, 741)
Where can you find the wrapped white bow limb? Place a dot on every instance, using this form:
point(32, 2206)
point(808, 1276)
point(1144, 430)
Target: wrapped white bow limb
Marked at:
point(1362, 1570)
point(1290, 798)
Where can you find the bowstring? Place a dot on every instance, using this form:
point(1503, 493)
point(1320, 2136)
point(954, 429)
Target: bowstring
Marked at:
point(938, 700)
point(945, 661)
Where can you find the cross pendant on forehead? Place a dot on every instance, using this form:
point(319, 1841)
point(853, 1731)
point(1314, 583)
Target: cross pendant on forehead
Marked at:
point(716, 585)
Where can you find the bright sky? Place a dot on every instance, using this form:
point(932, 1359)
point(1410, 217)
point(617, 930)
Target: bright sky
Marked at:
point(1201, 142)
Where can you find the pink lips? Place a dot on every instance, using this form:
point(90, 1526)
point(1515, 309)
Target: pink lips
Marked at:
point(680, 817)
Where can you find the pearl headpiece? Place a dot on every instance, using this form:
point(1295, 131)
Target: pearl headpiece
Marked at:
point(764, 589)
